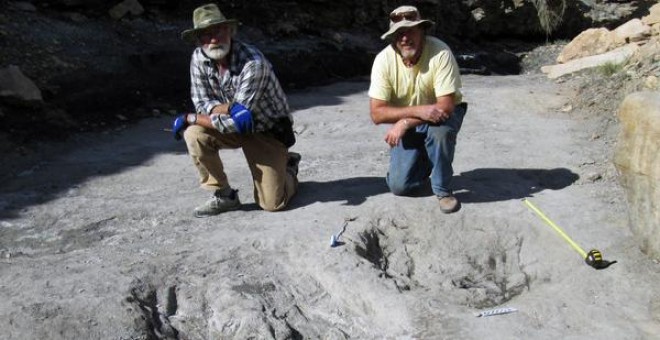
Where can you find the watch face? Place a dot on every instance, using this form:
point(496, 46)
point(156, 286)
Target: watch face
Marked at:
point(192, 118)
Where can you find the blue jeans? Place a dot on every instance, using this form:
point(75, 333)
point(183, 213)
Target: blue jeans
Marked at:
point(427, 150)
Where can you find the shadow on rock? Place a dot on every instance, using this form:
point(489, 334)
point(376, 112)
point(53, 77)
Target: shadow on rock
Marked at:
point(489, 185)
point(352, 190)
point(61, 172)
point(326, 95)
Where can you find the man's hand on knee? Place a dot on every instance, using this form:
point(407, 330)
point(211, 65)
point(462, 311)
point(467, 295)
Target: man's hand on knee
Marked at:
point(181, 122)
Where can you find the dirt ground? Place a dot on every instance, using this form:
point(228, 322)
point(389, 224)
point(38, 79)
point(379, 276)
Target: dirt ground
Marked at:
point(98, 240)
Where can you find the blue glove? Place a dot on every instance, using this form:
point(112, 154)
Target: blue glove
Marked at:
point(179, 125)
point(242, 118)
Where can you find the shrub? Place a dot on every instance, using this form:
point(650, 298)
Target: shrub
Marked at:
point(550, 13)
point(610, 68)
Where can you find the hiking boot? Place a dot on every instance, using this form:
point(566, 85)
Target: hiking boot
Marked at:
point(449, 204)
point(219, 203)
point(292, 163)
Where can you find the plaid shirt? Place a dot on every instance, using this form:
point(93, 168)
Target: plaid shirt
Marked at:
point(250, 81)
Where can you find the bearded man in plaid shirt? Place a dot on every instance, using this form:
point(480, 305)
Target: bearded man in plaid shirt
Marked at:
point(239, 103)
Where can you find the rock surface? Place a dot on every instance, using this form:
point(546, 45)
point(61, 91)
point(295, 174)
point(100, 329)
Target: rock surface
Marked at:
point(590, 42)
point(93, 60)
point(614, 57)
point(97, 241)
point(635, 67)
point(97, 238)
point(15, 85)
point(637, 158)
point(632, 31)
point(596, 47)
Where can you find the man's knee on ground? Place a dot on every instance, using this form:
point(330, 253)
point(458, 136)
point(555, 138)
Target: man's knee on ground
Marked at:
point(398, 189)
point(397, 184)
point(273, 203)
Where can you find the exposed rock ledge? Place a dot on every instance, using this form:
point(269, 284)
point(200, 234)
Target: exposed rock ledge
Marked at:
point(637, 158)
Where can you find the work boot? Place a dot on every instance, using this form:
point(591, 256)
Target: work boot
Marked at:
point(292, 163)
point(219, 203)
point(449, 204)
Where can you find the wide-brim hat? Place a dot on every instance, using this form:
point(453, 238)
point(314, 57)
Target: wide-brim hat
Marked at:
point(203, 17)
point(405, 16)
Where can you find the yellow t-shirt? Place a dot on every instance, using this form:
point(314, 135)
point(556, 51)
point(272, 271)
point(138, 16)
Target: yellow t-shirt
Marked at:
point(435, 74)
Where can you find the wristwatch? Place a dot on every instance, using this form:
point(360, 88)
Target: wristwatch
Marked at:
point(191, 118)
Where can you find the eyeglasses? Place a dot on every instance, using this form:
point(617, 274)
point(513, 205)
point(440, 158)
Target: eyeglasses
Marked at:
point(410, 16)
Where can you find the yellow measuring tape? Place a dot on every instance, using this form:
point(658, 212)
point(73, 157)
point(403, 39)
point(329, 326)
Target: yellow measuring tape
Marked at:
point(556, 227)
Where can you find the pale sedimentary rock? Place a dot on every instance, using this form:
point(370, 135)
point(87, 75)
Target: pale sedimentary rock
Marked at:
point(590, 42)
point(637, 159)
point(617, 56)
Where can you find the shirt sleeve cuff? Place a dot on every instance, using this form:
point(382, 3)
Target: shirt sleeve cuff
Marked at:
point(208, 107)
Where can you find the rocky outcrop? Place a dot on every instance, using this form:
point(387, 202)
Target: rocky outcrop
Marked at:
point(637, 159)
point(634, 30)
point(127, 7)
point(654, 16)
point(628, 54)
point(93, 60)
point(614, 57)
point(590, 42)
point(596, 47)
point(14, 85)
point(454, 18)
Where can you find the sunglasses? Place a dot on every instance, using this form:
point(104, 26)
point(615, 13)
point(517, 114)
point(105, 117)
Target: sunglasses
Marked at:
point(410, 16)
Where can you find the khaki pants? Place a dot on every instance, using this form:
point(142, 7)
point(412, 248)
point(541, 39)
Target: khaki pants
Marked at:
point(266, 156)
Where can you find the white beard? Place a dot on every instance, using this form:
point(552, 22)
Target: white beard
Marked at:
point(216, 52)
point(408, 54)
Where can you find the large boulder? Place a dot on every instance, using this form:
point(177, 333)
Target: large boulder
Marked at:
point(590, 42)
point(14, 84)
point(637, 159)
point(653, 19)
point(654, 15)
point(632, 31)
point(616, 56)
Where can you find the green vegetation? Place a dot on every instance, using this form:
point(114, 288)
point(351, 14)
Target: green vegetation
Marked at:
point(610, 68)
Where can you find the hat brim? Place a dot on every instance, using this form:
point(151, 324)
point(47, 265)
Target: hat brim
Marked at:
point(191, 34)
point(405, 23)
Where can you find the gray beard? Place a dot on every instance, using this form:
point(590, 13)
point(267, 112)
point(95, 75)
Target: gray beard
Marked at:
point(408, 55)
point(216, 52)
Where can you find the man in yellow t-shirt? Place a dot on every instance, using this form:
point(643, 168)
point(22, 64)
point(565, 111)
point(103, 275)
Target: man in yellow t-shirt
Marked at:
point(415, 86)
